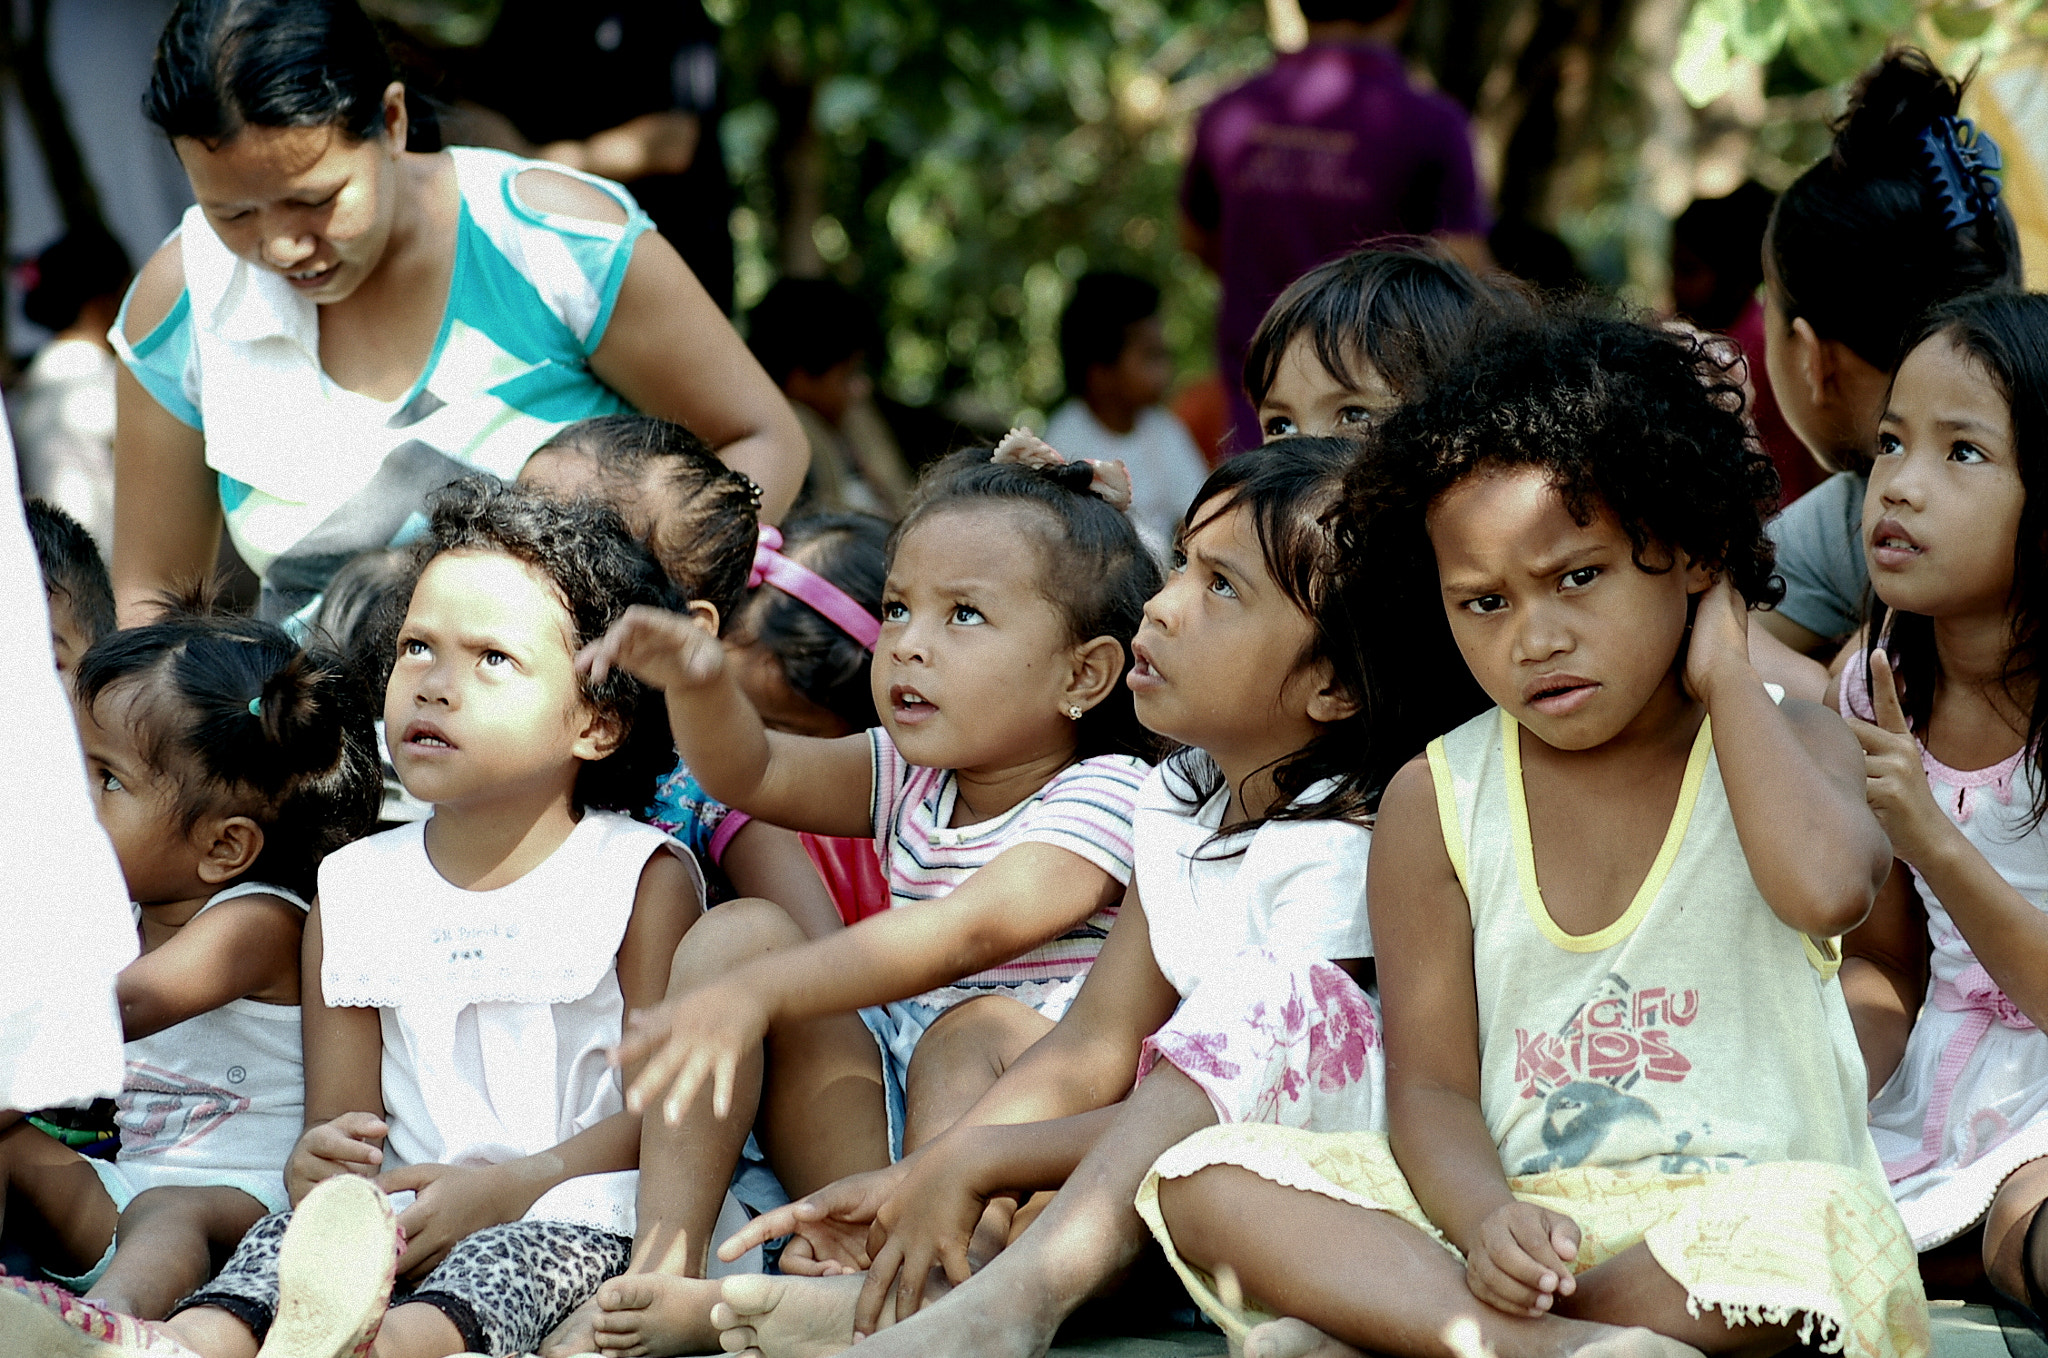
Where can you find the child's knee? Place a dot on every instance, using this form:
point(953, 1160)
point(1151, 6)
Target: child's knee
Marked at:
point(1196, 1211)
point(728, 935)
point(982, 1036)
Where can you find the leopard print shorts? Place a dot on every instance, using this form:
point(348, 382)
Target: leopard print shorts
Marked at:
point(504, 1288)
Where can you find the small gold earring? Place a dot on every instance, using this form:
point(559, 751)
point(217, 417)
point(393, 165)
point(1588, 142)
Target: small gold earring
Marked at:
point(1073, 711)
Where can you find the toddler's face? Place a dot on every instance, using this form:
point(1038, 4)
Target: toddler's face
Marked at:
point(1144, 370)
point(1217, 658)
point(971, 668)
point(1307, 398)
point(1943, 509)
point(766, 683)
point(1555, 619)
point(136, 805)
point(483, 702)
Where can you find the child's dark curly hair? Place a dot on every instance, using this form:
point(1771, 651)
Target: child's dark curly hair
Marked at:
point(1644, 420)
point(599, 570)
point(1095, 571)
point(243, 722)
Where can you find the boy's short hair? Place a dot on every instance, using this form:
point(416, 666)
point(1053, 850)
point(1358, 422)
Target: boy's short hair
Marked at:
point(71, 566)
point(809, 325)
point(1096, 324)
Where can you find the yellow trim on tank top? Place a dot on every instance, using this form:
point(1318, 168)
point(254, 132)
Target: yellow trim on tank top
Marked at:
point(1653, 882)
point(1447, 811)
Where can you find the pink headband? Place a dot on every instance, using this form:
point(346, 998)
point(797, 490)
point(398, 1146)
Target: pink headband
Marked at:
point(805, 585)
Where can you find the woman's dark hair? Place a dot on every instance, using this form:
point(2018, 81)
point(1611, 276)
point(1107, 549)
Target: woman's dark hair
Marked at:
point(1860, 245)
point(222, 65)
point(2006, 334)
point(1093, 568)
point(819, 659)
point(1643, 421)
point(1401, 309)
point(243, 722)
point(598, 570)
point(1288, 488)
point(704, 538)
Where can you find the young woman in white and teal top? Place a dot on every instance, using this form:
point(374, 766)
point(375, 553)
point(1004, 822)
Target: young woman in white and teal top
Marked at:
point(341, 326)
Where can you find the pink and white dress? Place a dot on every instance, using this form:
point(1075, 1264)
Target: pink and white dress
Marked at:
point(1246, 930)
point(1969, 1103)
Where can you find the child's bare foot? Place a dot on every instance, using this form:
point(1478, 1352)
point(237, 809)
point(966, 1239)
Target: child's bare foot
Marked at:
point(988, 1321)
point(654, 1313)
point(1291, 1338)
point(787, 1317)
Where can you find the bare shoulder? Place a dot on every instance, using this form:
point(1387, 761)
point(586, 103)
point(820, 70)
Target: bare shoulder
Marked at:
point(666, 881)
point(157, 289)
point(1410, 798)
point(563, 195)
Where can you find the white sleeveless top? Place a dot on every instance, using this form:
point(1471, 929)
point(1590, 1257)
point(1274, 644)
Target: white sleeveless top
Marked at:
point(1697, 1032)
point(1969, 1102)
point(219, 1098)
point(498, 1007)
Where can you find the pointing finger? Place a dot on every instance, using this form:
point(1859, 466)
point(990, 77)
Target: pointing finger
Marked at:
point(1884, 695)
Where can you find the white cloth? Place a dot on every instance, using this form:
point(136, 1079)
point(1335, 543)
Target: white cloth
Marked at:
point(1296, 889)
point(1968, 1104)
point(497, 1006)
point(219, 1099)
point(1166, 468)
point(63, 415)
point(65, 914)
point(1698, 1032)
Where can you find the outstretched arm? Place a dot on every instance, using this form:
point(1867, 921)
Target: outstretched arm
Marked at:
point(1794, 779)
point(240, 948)
point(800, 782)
point(1518, 1256)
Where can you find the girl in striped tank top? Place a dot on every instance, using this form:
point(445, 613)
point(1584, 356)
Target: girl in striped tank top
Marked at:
point(1625, 1105)
point(998, 789)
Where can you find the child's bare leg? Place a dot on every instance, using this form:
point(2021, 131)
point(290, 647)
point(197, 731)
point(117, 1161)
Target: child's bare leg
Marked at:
point(53, 1204)
point(960, 1057)
point(1631, 1290)
point(1368, 1279)
point(168, 1240)
point(216, 1333)
point(2015, 1254)
point(663, 1304)
point(416, 1330)
point(1084, 1240)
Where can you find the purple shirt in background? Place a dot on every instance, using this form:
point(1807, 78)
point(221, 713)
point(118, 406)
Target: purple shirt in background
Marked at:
point(1330, 149)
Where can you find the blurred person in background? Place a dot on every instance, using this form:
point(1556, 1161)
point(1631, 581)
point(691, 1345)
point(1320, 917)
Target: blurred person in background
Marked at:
point(1117, 367)
point(813, 337)
point(1717, 270)
point(625, 89)
point(62, 409)
point(1331, 149)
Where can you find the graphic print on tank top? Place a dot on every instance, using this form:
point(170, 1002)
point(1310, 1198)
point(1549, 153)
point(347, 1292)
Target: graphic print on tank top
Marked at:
point(1597, 1072)
point(170, 1110)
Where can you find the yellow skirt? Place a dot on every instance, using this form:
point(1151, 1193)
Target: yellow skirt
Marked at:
point(1794, 1243)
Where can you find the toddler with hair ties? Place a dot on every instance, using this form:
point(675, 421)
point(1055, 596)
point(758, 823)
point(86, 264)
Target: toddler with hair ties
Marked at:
point(1625, 1103)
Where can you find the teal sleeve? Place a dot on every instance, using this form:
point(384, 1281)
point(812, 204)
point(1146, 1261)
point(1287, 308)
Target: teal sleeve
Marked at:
point(162, 359)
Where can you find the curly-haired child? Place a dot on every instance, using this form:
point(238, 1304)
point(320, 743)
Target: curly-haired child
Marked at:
point(225, 763)
point(1625, 1102)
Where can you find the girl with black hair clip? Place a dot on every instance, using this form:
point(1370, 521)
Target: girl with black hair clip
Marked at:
point(1226, 985)
point(225, 764)
point(998, 791)
point(1901, 216)
point(1946, 978)
point(1625, 1105)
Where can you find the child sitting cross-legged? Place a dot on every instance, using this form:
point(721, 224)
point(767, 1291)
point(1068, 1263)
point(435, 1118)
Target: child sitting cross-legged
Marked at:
point(998, 790)
point(224, 762)
point(1625, 1102)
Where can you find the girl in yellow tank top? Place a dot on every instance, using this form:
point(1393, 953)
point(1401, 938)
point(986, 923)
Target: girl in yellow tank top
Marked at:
point(1625, 1101)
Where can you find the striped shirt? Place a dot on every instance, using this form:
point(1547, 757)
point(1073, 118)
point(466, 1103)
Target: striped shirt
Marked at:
point(1085, 809)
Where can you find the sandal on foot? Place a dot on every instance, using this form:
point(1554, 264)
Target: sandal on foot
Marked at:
point(45, 1320)
point(334, 1271)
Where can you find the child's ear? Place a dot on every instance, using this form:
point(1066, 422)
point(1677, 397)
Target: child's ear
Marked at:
point(228, 846)
point(704, 614)
point(1330, 702)
point(1698, 578)
point(600, 737)
point(1098, 669)
point(1813, 358)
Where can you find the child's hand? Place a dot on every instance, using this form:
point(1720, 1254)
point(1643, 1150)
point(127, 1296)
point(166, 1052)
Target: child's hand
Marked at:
point(1523, 1262)
point(1719, 645)
point(1897, 781)
point(703, 1035)
point(667, 650)
point(344, 1145)
point(450, 1204)
point(930, 1219)
point(830, 1227)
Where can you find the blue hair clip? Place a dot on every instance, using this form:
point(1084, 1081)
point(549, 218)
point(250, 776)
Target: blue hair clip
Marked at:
point(256, 706)
point(1964, 163)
